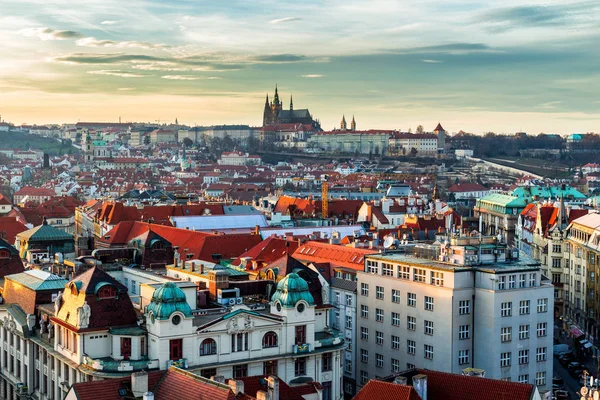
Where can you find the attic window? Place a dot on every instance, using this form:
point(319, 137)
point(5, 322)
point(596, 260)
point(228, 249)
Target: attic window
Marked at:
point(360, 260)
point(313, 252)
point(4, 253)
point(107, 292)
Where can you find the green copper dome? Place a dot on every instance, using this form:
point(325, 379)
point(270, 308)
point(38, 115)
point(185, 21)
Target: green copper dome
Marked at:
point(166, 300)
point(292, 289)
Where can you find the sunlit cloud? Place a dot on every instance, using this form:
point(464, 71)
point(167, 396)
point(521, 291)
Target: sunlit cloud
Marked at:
point(93, 42)
point(126, 89)
point(181, 77)
point(50, 34)
point(111, 22)
point(431, 61)
point(312, 76)
point(283, 20)
point(113, 72)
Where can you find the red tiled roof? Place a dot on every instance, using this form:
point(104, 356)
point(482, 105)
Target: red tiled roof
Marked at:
point(439, 128)
point(253, 384)
point(108, 389)
point(466, 187)
point(379, 390)
point(10, 227)
point(4, 200)
point(269, 250)
point(33, 191)
point(179, 384)
point(376, 212)
point(336, 255)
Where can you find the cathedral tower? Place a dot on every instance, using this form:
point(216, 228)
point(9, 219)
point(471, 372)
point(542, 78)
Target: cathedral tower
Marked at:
point(353, 124)
point(343, 124)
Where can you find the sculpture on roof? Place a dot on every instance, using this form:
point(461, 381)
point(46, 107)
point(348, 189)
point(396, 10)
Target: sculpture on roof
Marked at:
point(83, 313)
point(57, 303)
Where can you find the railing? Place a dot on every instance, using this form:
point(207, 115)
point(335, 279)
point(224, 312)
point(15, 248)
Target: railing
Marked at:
point(301, 348)
point(112, 365)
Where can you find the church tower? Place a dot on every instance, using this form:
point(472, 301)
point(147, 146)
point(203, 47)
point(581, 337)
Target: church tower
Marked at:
point(87, 146)
point(353, 124)
point(267, 115)
point(343, 123)
point(291, 103)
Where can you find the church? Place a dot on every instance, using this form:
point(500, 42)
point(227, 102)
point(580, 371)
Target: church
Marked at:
point(274, 114)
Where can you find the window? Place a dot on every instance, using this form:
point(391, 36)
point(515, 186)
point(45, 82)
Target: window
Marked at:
point(522, 278)
point(364, 377)
point(364, 356)
point(299, 366)
point(395, 319)
point(523, 378)
point(411, 299)
point(505, 334)
point(239, 342)
point(541, 329)
point(437, 278)
point(419, 275)
point(349, 300)
point(326, 393)
point(505, 359)
point(506, 309)
point(463, 357)
point(540, 378)
point(532, 279)
point(348, 366)
point(524, 307)
point(270, 367)
point(269, 339)
point(133, 286)
point(523, 357)
point(364, 311)
point(464, 332)
point(379, 315)
point(372, 267)
point(464, 307)
point(108, 292)
point(300, 334)
point(429, 352)
point(348, 322)
point(364, 333)
point(556, 263)
point(540, 354)
point(379, 292)
point(502, 283)
point(523, 332)
point(395, 365)
point(209, 346)
point(208, 372)
point(125, 347)
point(175, 349)
point(411, 323)
point(428, 303)
point(395, 342)
point(410, 366)
point(379, 360)
point(404, 272)
point(556, 248)
point(395, 296)
point(511, 281)
point(379, 338)
point(364, 289)
point(411, 347)
point(387, 269)
point(429, 327)
point(542, 305)
point(326, 362)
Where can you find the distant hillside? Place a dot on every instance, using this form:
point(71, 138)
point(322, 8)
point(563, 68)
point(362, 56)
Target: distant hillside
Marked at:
point(25, 141)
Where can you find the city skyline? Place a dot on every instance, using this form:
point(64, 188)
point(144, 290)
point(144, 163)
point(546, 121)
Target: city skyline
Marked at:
point(394, 65)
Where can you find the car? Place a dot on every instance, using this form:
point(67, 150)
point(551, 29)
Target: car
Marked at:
point(561, 395)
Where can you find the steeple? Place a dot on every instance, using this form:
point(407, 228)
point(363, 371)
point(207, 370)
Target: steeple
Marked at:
point(267, 101)
point(343, 123)
point(276, 99)
point(353, 124)
point(291, 103)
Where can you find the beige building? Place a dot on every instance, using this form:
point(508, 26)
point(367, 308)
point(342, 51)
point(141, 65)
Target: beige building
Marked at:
point(162, 136)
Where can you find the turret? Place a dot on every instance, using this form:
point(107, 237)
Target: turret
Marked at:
point(291, 103)
point(353, 124)
point(343, 123)
point(276, 98)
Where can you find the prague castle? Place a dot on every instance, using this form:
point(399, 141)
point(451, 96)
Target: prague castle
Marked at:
point(274, 114)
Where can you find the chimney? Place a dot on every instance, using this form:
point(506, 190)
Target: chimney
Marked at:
point(201, 268)
point(193, 267)
point(148, 396)
point(236, 386)
point(420, 384)
point(262, 395)
point(183, 263)
point(139, 383)
point(400, 380)
point(273, 383)
point(218, 378)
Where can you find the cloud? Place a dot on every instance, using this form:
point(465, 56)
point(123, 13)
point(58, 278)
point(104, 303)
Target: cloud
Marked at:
point(98, 58)
point(109, 22)
point(430, 61)
point(280, 58)
point(114, 72)
point(50, 34)
point(181, 77)
point(284, 20)
point(549, 105)
point(93, 42)
point(451, 48)
point(126, 89)
point(312, 76)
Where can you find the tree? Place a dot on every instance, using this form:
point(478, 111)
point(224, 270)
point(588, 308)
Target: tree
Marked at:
point(419, 129)
point(413, 152)
point(187, 142)
point(228, 143)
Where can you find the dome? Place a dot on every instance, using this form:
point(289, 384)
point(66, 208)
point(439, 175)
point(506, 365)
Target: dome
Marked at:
point(292, 289)
point(168, 299)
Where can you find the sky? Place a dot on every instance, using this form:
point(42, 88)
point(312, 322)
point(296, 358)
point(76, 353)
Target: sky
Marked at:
point(473, 65)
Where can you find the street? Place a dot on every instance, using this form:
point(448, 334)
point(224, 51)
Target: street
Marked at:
point(570, 383)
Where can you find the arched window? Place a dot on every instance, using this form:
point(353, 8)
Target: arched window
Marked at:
point(158, 246)
point(107, 292)
point(270, 339)
point(208, 347)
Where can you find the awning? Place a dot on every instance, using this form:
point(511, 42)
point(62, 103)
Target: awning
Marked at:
point(576, 332)
point(587, 345)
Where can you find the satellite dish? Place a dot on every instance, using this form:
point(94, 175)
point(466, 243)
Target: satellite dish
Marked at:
point(388, 242)
point(584, 391)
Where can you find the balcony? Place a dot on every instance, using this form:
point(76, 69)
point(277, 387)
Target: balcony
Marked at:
point(330, 337)
point(108, 364)
point(301, 348)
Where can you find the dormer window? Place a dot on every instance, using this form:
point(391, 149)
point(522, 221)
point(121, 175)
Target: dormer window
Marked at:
point(107, 292)
point(4, 253)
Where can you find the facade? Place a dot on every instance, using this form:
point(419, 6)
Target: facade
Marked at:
point(425, 144)
point(43, 242)
point(162, 136)
point(357, 142)
point(33, 194)
point(479, 306)
point(238, 158)
point(498, 213)
point(468, 191)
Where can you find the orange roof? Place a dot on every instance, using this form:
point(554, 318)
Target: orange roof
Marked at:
point(379, 390)
point(336, 255)
point(180, 384)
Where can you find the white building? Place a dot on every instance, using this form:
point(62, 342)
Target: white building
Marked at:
point(465, 303)
point(238, 158)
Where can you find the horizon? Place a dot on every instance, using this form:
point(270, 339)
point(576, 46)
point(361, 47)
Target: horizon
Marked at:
point(470, 65)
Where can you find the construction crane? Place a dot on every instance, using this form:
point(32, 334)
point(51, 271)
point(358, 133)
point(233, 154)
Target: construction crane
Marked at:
point(324, 197)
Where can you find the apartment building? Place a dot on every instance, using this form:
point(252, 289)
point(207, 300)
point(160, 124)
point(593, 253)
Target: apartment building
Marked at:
point(467, 302)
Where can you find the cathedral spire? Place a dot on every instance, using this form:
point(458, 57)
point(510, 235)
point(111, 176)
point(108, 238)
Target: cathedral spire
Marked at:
point(353, 124)
point(276, 99)
point(343, 123)
point(267, 101)
point(291, 103)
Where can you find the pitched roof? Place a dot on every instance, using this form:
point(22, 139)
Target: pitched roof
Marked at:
point(10, 227)
point(439, 128)
point(379, 390)
point(45, 232)
point(33, 191)
point(337, 255)
point(269, 250)
point(180, 384)
point(253, 384)
point(108, 389)
point(467, 187)
point(39, 280)
point(4, 200)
